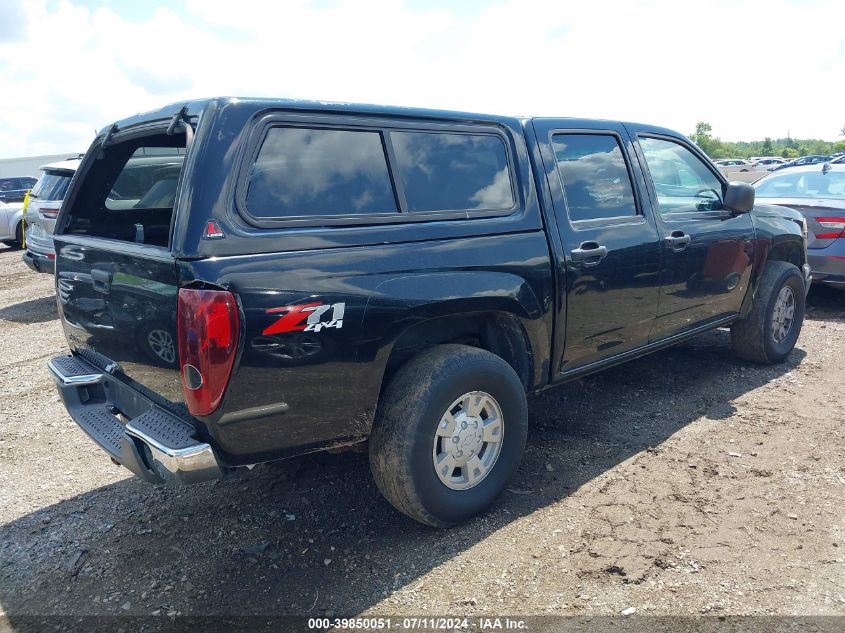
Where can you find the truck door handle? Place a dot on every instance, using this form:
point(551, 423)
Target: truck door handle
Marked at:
point(678, 240)
point(590, 253)
point(101, 280)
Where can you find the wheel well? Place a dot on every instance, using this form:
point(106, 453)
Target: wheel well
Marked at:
point(790, 252)
point(497, 332)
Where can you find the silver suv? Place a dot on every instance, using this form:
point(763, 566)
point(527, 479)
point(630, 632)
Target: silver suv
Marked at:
point(149, 180)
point(45, 200)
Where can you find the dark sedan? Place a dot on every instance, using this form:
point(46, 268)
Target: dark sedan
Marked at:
point(818, 192)
point(14, 189)
point(812, 159)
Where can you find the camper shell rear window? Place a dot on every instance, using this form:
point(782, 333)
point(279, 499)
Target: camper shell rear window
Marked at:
point(129, 192)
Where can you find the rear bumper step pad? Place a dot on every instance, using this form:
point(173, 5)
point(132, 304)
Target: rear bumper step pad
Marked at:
point(152, 443)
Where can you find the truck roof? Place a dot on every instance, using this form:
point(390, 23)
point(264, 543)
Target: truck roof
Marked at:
point(195, 107)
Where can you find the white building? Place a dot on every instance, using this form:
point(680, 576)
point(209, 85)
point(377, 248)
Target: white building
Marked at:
point(29, 165)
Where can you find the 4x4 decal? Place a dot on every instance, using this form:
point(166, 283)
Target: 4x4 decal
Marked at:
point(307, 317)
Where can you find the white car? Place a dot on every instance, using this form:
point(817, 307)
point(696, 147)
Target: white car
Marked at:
point(768, 163)
point(11, 228)
point(733, 164)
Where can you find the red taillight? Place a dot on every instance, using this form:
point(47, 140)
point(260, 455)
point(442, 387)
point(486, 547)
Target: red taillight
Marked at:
point(49, 213)
point(836, 224)
point(208, 340)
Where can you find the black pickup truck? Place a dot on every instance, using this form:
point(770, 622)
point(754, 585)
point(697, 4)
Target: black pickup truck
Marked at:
point(301, 276)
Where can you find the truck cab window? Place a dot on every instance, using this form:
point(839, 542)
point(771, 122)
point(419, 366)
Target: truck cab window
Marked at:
point(594, 175)
point(682, 181)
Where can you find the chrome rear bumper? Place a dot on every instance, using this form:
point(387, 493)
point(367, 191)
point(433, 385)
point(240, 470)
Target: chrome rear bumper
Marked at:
point(153, 443)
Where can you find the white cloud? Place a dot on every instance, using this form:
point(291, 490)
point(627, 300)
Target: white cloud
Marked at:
point(751, 69)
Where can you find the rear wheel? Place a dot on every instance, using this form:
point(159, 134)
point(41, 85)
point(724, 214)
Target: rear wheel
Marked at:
point(770, 331)
point(449, 434)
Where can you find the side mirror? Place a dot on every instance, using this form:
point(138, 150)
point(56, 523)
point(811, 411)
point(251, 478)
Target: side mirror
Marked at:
point(739, 197)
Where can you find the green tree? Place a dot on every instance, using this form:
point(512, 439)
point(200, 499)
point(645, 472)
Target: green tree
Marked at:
point(767, 148)
point(704, 139)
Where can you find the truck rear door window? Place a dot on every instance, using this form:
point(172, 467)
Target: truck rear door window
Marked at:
point(451, 171)
point(594, 175)
point(308, 172)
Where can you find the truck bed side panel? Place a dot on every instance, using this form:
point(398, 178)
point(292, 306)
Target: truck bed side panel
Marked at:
point(298, 388)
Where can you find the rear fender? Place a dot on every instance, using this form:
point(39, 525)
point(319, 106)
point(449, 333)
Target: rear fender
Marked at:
point(407, 302)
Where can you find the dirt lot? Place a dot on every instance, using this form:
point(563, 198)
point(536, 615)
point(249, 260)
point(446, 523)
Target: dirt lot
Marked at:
point(683, 483)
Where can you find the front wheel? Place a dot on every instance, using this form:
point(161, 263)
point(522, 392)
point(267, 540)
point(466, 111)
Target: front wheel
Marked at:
point(769, 333)
point(449, 433)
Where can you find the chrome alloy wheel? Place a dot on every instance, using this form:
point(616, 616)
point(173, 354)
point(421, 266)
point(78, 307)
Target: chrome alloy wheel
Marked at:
point(468, 440)
point(783, 314)
point(161, 342)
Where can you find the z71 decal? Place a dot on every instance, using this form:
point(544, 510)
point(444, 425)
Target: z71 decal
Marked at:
point(308, 317)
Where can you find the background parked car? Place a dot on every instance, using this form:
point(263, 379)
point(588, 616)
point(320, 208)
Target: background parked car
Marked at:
point(812, 159)
point(839, 160)
point(818, 192)
point(45, 200)
point(733, 164)
point(768, 164)
point(14, 189)
point(11, 228)
point(148, 181)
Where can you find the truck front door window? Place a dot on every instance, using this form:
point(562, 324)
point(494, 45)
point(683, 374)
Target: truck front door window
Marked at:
point(683, 183)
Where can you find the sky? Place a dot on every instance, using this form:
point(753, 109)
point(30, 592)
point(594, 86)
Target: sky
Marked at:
point(751, 68)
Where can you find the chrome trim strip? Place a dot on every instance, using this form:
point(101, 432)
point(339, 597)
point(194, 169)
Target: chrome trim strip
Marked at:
point(170, 452)
point(74, 381)
point(185, 465)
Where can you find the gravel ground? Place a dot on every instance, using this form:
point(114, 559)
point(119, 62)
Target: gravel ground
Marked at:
point(683, 483)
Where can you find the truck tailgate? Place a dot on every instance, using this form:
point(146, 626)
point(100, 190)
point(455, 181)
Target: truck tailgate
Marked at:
point(117, 301)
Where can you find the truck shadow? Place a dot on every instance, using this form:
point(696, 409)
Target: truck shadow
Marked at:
point(313, 536)
point(825, 302)
point(32, 311)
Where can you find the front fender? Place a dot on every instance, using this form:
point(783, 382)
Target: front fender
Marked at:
point(778, 237)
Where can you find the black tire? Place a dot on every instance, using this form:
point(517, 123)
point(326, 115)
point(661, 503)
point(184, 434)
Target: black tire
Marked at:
point(18, 241)
point(752, 337)
point(409, 412)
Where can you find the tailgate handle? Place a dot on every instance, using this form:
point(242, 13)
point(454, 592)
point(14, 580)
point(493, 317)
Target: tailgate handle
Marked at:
point(101, 280)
